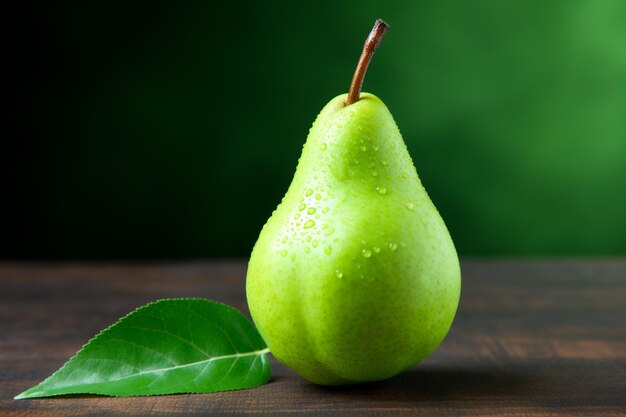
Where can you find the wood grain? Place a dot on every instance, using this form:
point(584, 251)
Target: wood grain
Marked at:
point(531, 338)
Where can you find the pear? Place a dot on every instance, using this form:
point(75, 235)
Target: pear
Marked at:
point(354, 277)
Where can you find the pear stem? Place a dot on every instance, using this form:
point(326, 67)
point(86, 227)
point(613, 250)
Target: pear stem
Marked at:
point(371, 43)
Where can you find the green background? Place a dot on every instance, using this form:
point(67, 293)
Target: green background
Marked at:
point(173, 130)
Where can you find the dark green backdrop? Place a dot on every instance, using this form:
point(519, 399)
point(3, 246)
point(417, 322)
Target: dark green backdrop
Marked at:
point(173, 130)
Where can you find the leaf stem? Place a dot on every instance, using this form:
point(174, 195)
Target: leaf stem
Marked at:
point(371, 43)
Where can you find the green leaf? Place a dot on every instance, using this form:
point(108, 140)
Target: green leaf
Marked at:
point(165, 347)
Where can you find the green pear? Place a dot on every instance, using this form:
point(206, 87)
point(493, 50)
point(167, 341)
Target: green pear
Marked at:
point(354, 277)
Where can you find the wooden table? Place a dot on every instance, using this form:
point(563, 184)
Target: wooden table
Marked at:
point(531, 338)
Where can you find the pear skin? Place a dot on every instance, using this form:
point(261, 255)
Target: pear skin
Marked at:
point(354, 277)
